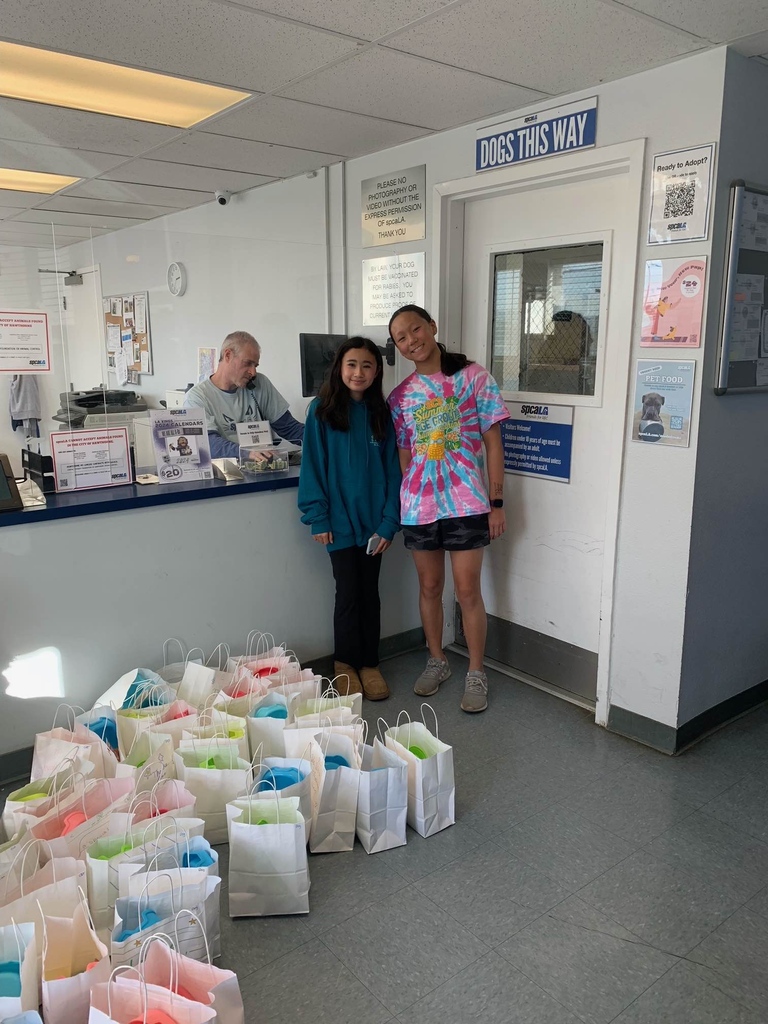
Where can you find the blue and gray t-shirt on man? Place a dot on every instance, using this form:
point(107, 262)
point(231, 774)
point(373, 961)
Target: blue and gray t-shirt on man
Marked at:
point(225, 409)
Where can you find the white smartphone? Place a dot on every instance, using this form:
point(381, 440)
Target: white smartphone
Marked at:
point(373, 543)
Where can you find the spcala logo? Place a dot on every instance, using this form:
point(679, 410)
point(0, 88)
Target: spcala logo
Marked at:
point(37, 362)
point(535, 410)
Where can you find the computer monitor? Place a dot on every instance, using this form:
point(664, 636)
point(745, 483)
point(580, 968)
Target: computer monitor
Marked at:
point(317, 354)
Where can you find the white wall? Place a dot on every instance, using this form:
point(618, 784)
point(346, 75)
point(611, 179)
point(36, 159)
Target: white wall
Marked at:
point(726, 640)
point(258, 264)
point(107, 590)
point(652, 560)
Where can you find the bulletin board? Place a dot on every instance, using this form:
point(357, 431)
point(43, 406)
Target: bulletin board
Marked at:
point(123, 314)
point(742, 363)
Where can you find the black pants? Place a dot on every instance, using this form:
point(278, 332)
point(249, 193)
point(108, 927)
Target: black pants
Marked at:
point(357, 614)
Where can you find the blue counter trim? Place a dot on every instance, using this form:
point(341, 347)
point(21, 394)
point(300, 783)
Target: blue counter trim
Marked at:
point(119, 499)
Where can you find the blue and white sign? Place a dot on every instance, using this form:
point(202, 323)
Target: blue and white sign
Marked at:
point(538, 440)
point(557, 130)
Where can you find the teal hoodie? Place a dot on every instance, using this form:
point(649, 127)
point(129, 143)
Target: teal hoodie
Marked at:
point(350, 482)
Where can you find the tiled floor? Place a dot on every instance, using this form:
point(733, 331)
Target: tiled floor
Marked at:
point(587, 879)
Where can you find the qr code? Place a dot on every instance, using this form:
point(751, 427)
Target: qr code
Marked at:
point(675, 422)
point(679, 200)
point(64, 481)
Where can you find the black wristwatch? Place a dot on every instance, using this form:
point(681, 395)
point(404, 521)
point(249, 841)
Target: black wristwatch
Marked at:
point(497, 503)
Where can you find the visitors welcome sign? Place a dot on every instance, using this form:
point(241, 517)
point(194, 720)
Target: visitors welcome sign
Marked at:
point(546, 133)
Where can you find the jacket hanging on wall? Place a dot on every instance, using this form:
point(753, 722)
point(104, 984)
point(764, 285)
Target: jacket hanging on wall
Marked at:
point(24, 403)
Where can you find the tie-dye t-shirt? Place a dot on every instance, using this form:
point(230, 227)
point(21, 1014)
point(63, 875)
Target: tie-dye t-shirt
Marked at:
point(442, 421)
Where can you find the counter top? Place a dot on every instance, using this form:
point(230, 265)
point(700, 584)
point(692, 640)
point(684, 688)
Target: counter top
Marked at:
point(129, 496)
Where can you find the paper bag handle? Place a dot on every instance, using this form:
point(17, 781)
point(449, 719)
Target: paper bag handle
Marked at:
point(171, 640)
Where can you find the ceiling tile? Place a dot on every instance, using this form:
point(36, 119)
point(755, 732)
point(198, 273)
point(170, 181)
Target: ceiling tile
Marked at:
point(203, 179)
point(10, 211)
point(207, 150)
point(10, 197)
point(124, 192)
point(28, 156)
point(718, 22)
point(198, 39)
point(66, 219)
point(384, 83)
point(290, 123)
point(98, 207)
point(752, 45)
point(78, 129)
point(571, 45)
point(358, 18)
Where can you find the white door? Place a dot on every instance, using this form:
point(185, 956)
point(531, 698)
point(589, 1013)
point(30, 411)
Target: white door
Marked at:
point(544, 273)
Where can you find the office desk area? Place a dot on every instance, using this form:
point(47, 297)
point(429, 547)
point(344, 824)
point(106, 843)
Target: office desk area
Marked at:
point(132, 496)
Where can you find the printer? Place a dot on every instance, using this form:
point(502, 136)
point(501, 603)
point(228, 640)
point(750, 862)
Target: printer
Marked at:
point(99, 407)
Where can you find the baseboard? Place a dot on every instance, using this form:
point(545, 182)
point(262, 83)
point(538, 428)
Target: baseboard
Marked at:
point(15, 765)
point(673, 741)
point(401, 643)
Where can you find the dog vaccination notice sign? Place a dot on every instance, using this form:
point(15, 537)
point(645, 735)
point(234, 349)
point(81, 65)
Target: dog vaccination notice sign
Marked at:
point(663, 400)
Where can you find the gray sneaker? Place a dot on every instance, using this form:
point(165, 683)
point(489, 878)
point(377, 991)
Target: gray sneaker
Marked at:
point(475, 692)
point(436, 672)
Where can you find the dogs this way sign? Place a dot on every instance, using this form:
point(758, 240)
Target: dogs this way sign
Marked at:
point(663, 400)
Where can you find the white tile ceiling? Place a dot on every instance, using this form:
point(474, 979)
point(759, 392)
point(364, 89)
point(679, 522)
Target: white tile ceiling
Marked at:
point(331, 79)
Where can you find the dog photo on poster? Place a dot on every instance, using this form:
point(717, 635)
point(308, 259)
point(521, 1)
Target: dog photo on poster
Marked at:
point(663, 400)
point(673, 303)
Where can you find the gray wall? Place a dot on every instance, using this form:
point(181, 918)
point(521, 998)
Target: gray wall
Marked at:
point(726, 636)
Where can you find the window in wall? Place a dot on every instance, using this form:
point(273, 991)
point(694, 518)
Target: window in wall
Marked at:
point(546, 317)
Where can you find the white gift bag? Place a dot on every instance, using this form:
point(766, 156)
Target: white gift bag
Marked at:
point(149, 761)
point(334, 815)
point(196, 888)
point(24, 804)
point(154, 910)
point(197, 684)
point(59, 744)
point(268, 870)
point(161, 965)
point(173, 671)
point(264, 787)
point(382, 802)
point(431, 786)
point(215, 774)
point(225, 727)
point(18, 946)
point(132, 1001)
point(85, 817)
point(74, 960)
point(264, 731)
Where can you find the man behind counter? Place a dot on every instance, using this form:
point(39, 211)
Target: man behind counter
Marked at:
point(236, 393)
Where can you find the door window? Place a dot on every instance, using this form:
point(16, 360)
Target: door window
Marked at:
point(546, 318)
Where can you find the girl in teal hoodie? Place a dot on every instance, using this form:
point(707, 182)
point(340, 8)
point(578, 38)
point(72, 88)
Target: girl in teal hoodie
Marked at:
point(349, 494)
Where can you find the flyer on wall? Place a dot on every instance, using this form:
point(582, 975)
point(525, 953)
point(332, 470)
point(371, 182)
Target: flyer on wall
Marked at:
point(83, 459)
point(24, 342)
point(673, 303)
point(681, 186)
point(663, 401)
point(180, 441)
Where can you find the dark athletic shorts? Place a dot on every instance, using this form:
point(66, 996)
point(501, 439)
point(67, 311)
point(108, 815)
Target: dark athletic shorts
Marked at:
point(462, 534)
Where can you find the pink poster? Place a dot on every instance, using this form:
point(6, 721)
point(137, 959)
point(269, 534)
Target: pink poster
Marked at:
point(673, 303)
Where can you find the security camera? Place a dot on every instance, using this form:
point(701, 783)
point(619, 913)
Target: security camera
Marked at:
point(223, 196)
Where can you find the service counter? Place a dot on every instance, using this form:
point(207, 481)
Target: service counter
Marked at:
point(105, 576)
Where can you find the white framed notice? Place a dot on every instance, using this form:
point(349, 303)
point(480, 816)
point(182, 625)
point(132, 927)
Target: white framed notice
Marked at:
point(25, 345)
point(681, 189)
point(84, 459)
point(394, 207)
point(180, 441)
point(390, 282)
point(254, 432)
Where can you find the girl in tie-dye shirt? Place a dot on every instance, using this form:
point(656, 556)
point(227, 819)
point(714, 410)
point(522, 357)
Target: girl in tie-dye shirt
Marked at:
point(446, 413)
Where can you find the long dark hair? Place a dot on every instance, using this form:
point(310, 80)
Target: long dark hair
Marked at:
point(333, 403)
point(450, 362)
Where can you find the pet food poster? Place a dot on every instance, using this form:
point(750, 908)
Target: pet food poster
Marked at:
point(180, 442)
point(663, 400)
point(673, 303)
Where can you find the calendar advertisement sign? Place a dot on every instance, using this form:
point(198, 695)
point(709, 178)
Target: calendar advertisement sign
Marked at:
point(681, 189)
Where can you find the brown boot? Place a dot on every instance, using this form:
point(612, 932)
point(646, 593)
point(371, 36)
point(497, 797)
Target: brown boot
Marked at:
point(374, 684)
point(346, 680)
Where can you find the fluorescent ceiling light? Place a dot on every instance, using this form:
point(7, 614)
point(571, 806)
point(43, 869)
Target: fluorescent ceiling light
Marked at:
point(43, 76)
point(34, 181)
